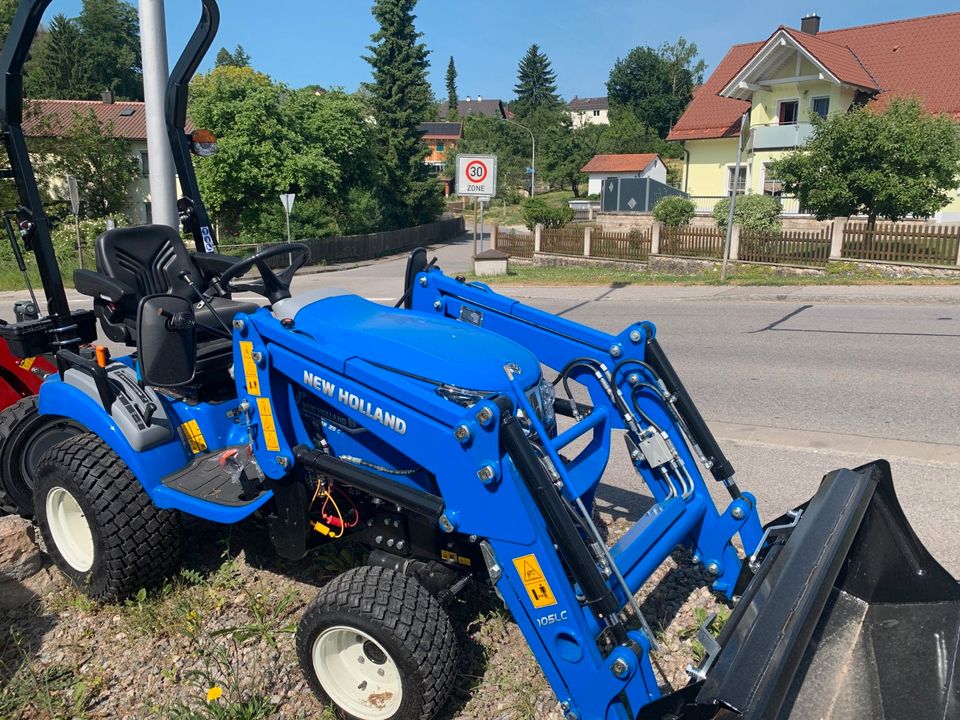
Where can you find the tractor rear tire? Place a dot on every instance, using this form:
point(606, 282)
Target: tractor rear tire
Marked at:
point(25, 435)
point(97, 522)
point(376, 645)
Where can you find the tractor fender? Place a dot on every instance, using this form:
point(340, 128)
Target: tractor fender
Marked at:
point(149, 465)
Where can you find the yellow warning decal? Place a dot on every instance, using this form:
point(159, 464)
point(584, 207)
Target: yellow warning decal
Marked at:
point(194, 437)
point(448, 555)
point(269, 427)
point(533, 580)
point(250, 371)
point(27, 363)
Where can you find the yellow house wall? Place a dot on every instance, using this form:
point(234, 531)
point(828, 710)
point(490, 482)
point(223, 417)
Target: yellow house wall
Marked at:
point(708, 158)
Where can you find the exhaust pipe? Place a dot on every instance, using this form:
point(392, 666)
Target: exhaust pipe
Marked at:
point(849, 616)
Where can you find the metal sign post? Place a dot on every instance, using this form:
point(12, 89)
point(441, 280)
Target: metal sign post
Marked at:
point(74, 191)
point(741, 143)
point(482, 202)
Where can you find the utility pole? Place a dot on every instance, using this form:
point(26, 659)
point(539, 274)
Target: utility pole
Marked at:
point(156, 71)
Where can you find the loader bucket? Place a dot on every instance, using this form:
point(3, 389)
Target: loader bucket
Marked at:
point(850, 617)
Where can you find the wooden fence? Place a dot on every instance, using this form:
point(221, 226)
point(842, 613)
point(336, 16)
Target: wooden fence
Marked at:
point(562, 241)
point(902, 242)
point(691, 241)
point(351, 248)
point(789, 247)
point(517, 244)
point(633, 245)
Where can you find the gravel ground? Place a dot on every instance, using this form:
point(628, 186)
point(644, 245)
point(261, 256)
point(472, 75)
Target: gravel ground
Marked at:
point(227, 619)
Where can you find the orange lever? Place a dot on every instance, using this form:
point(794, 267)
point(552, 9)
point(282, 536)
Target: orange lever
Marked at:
point(103, 356)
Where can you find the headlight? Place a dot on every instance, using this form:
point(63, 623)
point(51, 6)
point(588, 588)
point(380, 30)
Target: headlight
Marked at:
point(542, 398)
point(462, 396)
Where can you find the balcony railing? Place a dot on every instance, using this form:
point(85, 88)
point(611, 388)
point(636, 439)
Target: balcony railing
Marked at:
point(768, 137)
point(704, 204)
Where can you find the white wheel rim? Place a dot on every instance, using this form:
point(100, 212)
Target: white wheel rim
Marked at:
point(357, 673)
point(70, 529)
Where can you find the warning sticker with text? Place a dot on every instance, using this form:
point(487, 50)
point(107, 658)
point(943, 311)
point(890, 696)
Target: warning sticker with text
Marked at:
point(250, 372)
point(270, 439)
point(533, 580)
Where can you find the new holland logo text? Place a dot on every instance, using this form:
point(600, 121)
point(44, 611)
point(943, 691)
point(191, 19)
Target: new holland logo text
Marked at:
point(355, 402)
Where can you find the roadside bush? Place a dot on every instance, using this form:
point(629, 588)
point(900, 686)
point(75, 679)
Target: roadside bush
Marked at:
point(64, 236)
point(536, 211)
point(752, 212)
point(674, 211)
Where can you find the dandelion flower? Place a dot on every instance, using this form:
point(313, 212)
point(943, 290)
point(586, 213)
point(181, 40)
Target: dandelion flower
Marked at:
point(214, 693)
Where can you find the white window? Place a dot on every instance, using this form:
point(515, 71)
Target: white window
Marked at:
point(596, 113)
point(741, 182)
point(788, 112)
point(820, 106)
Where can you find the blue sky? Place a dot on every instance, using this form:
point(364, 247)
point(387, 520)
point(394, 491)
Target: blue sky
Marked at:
point(303, 42)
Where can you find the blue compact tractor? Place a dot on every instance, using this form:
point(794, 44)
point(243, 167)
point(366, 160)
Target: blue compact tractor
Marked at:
point(460, 436)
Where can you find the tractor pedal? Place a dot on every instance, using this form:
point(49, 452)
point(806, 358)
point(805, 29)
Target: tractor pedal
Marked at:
point(218, 479)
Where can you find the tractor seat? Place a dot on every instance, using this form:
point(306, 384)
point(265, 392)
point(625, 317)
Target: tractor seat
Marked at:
point(148, 260)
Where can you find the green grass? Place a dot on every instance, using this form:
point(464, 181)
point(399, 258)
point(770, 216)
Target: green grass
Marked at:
point(504, 213)
point(746, 276)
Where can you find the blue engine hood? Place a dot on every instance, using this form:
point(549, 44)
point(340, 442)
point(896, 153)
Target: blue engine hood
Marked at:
point(433, 347)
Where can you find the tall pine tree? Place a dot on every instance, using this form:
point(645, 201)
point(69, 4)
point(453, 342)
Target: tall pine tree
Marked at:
point(59, 68)
point(536, 87)
point(452, 99)
point(401, 99)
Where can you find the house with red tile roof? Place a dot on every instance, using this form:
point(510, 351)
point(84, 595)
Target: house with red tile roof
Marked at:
point(641, 165)
point(783, 81)
point(127, 120)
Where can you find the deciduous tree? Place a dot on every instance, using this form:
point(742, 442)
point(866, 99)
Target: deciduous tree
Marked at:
point(271, 139)
point(655, 85)
point(100, 161)
point(111, 35)
point(889, 162)
point(401, 99)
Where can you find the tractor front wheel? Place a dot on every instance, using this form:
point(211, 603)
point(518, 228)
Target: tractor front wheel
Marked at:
point(377, 646)
point(99, 526)
point(25, 436)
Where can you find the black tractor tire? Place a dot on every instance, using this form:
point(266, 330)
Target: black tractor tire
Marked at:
point(409, 625)
point(132, 544)
point(25, 435)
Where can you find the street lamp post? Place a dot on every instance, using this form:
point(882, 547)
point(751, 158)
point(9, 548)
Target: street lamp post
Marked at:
point(533, 156)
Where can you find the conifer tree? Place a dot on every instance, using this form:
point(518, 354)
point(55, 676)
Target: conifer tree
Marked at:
point(452, 99)
point(401, 99)
point(536, 87)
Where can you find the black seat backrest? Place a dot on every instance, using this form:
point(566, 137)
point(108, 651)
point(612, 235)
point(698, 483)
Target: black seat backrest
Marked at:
point(149, 259)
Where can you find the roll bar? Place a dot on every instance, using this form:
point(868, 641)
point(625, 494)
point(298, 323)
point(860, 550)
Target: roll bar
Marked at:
point(34, 223)
point(193, 213)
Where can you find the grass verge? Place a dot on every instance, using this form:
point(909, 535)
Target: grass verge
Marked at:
point(746, 276)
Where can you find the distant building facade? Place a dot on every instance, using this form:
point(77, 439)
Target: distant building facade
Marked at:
point(589, 111)
point(640, 165)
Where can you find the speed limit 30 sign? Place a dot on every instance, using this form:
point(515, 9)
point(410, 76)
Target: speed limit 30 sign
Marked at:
point(477, 175)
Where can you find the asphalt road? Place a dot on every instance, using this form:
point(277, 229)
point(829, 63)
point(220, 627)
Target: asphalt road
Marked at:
point(795, 382)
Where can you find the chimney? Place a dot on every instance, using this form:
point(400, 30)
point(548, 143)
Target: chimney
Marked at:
point(468, 98)
point(479, 99)
point(107, 97)
point(810, 24)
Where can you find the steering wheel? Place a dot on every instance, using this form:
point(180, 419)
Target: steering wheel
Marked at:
point(275, 286)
